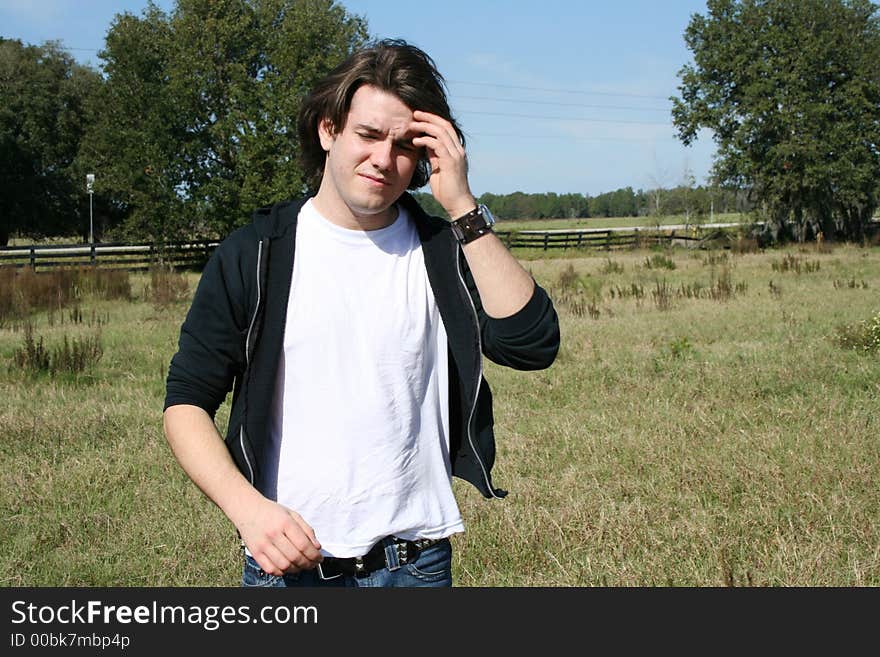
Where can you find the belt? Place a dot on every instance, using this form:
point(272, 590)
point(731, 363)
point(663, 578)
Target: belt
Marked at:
point(375, 559)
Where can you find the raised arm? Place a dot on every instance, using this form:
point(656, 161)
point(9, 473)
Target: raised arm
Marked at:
point(504, 285)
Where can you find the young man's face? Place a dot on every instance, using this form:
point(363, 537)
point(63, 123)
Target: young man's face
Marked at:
point(370, 161)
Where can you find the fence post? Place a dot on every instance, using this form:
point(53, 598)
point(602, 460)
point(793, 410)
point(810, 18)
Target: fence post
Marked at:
point(33, 258)
point(92, 254)
point(546, 240)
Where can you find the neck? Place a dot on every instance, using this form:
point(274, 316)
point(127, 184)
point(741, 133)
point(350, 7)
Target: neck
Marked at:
point(337, 212)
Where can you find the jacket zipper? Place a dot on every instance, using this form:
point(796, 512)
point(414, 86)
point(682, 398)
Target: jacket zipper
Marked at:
point(247, 356)
point(479, 377)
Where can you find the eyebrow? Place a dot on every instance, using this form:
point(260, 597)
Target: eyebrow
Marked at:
point(368, 128)
point(376, 131)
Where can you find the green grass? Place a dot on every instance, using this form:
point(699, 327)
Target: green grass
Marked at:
point(712, 443)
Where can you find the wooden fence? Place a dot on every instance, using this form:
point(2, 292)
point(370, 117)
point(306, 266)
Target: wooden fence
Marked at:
point(109, 256)
point(590, 239)
point(143, 256)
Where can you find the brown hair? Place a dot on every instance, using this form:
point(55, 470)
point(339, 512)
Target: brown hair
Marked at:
point(391, 65)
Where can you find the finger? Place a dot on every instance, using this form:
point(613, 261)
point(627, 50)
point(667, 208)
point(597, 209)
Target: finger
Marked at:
point(438, 127)
point(432, 146)
point(306, 529)
point(448, 140)
point(438, 150)
point(276, 560)
point(273, 561)
point(433, 119)
point(306, 554)
point(300, 536)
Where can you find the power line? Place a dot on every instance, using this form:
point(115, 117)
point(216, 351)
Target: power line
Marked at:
point(567, 137)
point(549, 102)
point(561, 91)
point(562, 118)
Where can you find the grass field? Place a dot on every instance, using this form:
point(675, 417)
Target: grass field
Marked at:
point(702, 426)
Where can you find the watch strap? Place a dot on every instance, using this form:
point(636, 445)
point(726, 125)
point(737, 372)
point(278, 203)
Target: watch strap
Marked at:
point(472, 225)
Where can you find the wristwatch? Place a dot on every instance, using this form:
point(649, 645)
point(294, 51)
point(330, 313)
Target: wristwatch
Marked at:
point(474, 224)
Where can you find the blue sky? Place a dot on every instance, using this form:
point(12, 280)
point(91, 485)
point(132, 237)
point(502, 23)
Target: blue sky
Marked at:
point(554, 96)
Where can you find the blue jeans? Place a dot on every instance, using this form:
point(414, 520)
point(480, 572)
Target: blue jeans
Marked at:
point(432, 568)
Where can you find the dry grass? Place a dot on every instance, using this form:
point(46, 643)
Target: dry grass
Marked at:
point(719, 441)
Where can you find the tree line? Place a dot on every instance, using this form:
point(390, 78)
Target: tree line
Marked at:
point(695, 203)
point(190, 123)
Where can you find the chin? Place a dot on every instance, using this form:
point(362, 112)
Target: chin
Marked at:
point(373, 205)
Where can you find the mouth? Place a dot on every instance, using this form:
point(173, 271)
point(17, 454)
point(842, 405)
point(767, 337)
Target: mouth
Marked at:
point(374, 180)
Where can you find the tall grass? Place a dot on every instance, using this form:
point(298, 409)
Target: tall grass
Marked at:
point(71, 356)
point(24, 292)
point(716, 442)
point(166, 287)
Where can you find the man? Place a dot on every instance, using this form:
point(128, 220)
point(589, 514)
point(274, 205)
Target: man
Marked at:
point(349, 327)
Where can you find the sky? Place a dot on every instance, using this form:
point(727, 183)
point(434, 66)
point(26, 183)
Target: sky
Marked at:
point(554, 96)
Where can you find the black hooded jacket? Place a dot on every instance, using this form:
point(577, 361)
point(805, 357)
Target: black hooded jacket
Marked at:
point(233, 334)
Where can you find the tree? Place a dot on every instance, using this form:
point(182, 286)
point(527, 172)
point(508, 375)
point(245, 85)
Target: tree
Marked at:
point(43, 114)
point(431, 205)
point(791, 91)
point(198, 125)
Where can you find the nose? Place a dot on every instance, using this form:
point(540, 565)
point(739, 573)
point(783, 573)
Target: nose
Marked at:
point(380, 156)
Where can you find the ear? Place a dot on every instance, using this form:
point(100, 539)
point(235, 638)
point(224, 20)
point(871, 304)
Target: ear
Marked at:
point(326, 133)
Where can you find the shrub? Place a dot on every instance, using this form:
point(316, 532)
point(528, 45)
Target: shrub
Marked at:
point(23, 291)
point(662, 295)
point(105, 283)
point(714, 258)
point(659, 261)
point(167, 287)
point(744, 244)
point(862, 336)
point(72, 356)
point(611, 267)
point(634, 290)
point(793, 263)
point(851, 284)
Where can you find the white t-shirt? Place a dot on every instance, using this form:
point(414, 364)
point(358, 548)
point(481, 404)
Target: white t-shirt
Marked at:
point(360, 427)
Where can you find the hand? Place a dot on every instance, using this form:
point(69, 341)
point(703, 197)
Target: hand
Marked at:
point(279, 539)
point(449, 183)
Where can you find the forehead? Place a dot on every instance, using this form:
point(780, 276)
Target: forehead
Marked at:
point(378, 109)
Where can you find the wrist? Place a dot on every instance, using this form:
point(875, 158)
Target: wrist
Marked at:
point(473, 224)
point(239, 506)
point(461, 207)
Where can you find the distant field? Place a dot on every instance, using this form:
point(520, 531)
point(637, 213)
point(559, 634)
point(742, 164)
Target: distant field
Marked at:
point(611, 222)
point(703, 426)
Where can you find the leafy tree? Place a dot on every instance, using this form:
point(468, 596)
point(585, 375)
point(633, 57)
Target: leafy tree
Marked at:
point(791, 91)
point(43, 113)
point(198, 125)
point(431, 205)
